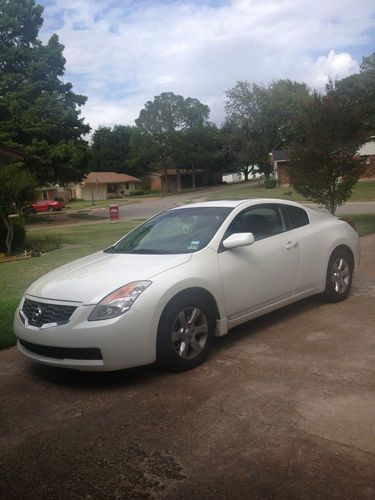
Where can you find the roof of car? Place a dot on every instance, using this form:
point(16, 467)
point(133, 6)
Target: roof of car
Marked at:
point(236, 203)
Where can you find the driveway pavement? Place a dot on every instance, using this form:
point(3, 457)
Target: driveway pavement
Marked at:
point(283, 408)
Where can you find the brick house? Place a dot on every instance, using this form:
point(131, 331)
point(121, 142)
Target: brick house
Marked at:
point(280, 160)
point(182, 178)
point(367, 152)
point(7, 154)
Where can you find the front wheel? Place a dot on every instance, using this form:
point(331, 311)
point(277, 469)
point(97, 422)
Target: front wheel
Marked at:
point(339, 276)
point(185, 333)
point(51, 209)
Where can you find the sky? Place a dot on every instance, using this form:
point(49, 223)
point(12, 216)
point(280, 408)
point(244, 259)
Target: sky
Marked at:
point(123, 53)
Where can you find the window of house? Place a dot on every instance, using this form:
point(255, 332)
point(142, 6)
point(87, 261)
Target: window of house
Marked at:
point(111, 188)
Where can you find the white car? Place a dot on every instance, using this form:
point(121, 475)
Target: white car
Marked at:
point(168, 287)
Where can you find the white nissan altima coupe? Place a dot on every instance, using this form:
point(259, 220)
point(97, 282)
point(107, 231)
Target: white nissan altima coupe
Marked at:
point(168, 287)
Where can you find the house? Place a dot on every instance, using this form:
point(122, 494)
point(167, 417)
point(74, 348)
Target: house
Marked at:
point(103, 186)
point(232, 177)
point(280, 160)
point(182, 178)
point(7, 154)
point(367, 152)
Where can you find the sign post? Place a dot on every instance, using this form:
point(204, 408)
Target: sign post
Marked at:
point(114, 213)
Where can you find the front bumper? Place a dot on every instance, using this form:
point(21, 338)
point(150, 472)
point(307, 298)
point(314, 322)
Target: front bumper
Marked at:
point(123, 342)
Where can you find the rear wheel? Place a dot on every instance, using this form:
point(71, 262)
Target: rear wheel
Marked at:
point(51, 209)
point(185, 333)
point(339, 276)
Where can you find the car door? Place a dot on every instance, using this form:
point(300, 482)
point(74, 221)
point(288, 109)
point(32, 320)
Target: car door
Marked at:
point(265, 272)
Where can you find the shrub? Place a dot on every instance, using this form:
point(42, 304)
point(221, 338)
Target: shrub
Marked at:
point(19, 234)
point(137, 192)
point(42, 244)
point(270, 183)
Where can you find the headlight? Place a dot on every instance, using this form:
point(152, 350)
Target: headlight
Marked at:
point(119, 301)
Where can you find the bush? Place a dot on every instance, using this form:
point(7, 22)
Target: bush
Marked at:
point(42, 244)
point(137, 192)
point(19, 234)
point(270, 183)
point(59, 198)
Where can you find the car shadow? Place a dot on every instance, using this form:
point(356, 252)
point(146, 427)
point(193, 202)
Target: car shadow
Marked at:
point(97, 380)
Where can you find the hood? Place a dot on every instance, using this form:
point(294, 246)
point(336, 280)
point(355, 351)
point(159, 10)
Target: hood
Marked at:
point(91, 278)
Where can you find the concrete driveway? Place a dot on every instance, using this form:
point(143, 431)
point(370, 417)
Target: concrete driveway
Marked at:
point(284, 408)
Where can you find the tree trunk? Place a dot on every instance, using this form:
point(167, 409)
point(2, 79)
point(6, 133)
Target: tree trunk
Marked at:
point(9, 237)
point(167, 184)
point(178, 180)
point(193, 176)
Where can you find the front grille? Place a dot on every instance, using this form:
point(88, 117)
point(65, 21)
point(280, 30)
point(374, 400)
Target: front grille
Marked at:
point(40, 313)
point(88, 353)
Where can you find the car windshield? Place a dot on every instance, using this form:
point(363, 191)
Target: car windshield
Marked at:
point(184, 230)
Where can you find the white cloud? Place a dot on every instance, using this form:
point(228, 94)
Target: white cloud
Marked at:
point(121, 54)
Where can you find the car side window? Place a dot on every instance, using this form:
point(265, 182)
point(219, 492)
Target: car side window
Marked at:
point(262, 220)
point(297, 216)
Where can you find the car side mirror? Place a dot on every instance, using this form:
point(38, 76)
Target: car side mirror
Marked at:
point(238, 240)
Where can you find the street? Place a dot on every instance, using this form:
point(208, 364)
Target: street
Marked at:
point(148, 208)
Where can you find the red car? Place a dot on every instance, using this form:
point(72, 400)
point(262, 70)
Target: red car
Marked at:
point(46, 206)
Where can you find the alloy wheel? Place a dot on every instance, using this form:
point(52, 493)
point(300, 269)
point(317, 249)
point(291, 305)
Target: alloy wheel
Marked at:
point(190, 332)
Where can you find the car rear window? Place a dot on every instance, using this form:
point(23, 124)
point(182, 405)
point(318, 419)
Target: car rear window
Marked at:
point(297, 216)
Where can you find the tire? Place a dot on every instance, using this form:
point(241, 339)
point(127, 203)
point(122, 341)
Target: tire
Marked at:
point(339, 276)
point(185, 333)
point(51, 209)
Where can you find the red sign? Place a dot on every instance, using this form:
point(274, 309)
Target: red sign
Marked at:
point(114, 214)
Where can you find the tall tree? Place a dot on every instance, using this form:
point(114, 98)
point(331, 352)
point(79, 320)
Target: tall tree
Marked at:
point(324, 167)
point(39, 113)
point(161, 119)
point(199, 147)
point(111, 150)
point(359, 90)
point(260, 119)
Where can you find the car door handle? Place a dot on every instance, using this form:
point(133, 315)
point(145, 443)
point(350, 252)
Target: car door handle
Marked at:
point(291, 244)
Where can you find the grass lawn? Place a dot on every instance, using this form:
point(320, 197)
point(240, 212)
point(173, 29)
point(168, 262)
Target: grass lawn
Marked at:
point(365, 223)
point(363, 191)
point(78, 241)
point(83, 204)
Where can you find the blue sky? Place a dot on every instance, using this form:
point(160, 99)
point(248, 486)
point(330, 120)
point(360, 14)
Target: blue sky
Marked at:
point(122, 53)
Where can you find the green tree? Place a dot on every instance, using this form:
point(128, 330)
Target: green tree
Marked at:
point(199, 147)
point(111, 150)
point(161, 120)
point(359, 90)
point(17, 186)
point(39, 113)
point(260, 119)
point(324, 167)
